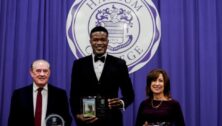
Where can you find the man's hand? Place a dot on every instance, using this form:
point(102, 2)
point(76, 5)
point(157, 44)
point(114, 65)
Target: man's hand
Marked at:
point(115, 103)
point(146, 124)
point(87, 120)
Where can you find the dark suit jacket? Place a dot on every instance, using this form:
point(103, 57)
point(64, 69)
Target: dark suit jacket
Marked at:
point(22, 111)
point(114, 77)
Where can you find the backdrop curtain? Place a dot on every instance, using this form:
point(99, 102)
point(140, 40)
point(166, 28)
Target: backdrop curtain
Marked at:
point(190, 51)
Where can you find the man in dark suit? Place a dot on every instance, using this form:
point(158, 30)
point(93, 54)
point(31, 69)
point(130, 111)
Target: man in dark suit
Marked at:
point(23, 111)
point(100, 74)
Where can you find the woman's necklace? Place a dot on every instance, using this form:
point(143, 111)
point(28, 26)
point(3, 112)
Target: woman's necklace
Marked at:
point(157, 106)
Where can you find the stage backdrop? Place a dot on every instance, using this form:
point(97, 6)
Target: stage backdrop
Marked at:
point(190, 51)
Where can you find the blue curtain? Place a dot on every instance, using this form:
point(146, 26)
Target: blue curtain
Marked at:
point(190, 51)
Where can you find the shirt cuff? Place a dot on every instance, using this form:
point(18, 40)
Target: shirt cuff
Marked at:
point(123, 108)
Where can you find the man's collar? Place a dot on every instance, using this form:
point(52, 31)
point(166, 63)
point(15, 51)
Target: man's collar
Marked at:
point(102, 58)
point(35, 87)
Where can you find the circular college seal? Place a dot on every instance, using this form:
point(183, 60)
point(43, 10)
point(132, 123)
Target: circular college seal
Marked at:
point(133, 26)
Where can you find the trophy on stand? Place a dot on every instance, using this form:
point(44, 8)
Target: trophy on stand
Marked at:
point(55, 120)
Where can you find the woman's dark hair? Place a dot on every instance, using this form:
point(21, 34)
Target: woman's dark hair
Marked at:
point(152, 76)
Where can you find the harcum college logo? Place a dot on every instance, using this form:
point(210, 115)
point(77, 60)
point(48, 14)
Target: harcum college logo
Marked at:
point(133, 25)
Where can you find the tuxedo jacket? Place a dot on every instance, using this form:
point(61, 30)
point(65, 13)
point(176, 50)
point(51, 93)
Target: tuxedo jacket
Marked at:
point(22, 110)
point(114, 77)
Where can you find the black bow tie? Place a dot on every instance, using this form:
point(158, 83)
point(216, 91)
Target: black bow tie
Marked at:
point(102, 59)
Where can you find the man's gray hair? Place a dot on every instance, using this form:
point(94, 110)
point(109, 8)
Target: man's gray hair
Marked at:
point(39, 60)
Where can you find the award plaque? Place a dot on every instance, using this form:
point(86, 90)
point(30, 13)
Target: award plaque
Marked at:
point(89, 107)
point(54, 120)
point(94, 106)
point(101, 106)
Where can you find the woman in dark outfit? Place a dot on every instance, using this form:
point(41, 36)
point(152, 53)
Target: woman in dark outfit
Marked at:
point(159, 109)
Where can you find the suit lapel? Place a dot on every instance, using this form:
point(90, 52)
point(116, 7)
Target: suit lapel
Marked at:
point(106, 67)
point(29, 99)
point(50, 100)
point(91, 68)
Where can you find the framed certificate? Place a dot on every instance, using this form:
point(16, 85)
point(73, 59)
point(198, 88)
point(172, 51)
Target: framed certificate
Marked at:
point(89, 107)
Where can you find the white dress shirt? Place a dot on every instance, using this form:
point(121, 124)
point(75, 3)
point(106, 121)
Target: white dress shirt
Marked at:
point(44, 101)
point(98, 66)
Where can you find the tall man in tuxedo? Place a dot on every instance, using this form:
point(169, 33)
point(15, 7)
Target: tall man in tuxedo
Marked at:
point(100, 74)
point(24, 110)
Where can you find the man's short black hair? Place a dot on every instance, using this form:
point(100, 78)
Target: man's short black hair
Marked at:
point(99, 28)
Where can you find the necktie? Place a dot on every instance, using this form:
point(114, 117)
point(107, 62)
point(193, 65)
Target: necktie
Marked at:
point(102, 59)
point(38, 109)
